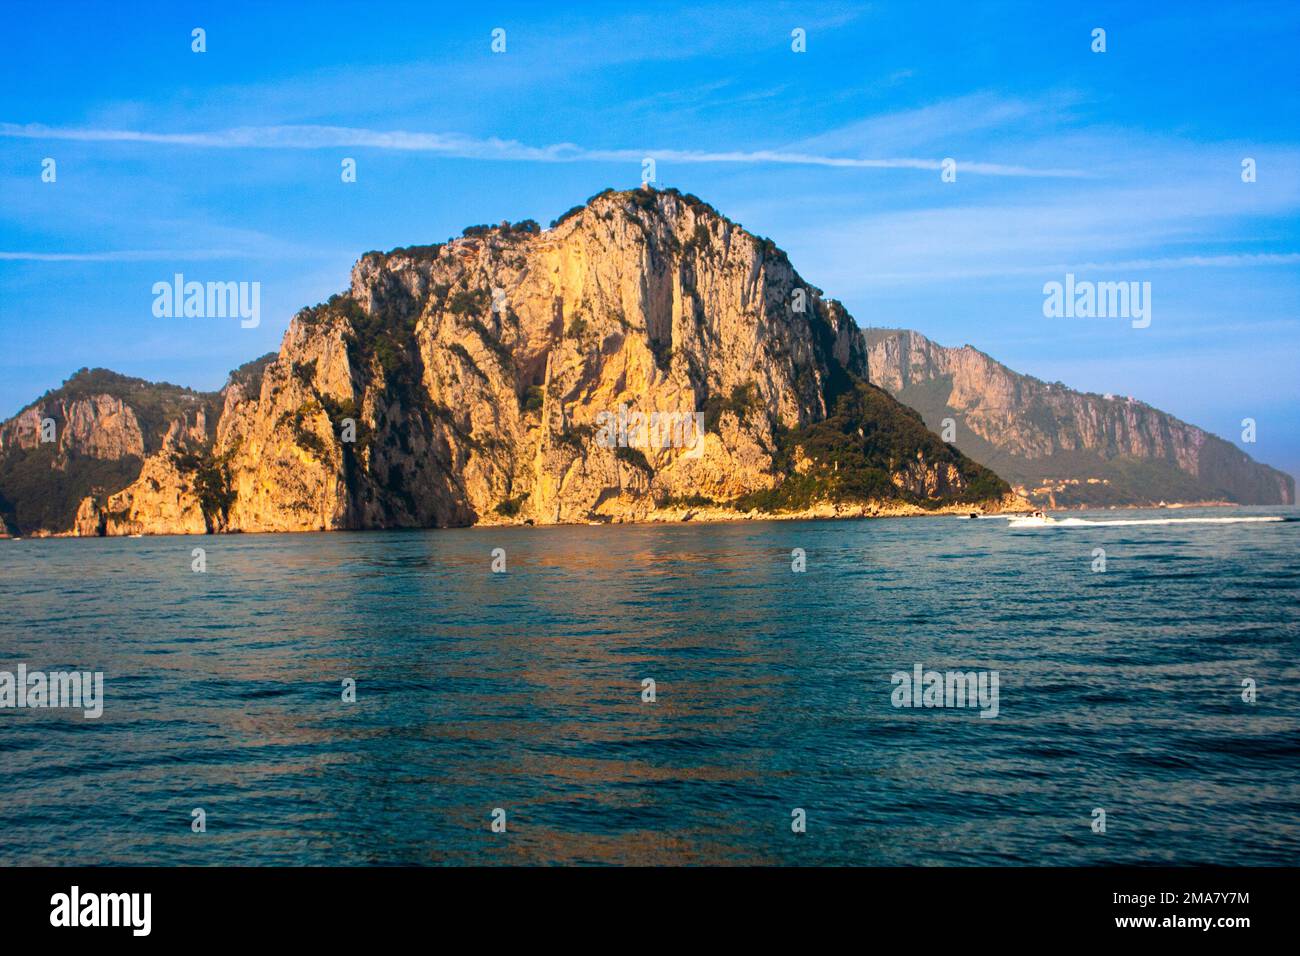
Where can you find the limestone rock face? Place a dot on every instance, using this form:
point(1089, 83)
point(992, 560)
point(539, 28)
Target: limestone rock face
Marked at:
point(91, 519)
point(515, 375)
point(164, 499)
point(1062, 446)
point(98, 426)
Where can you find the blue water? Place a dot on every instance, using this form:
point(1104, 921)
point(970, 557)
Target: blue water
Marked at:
point(1118, 690)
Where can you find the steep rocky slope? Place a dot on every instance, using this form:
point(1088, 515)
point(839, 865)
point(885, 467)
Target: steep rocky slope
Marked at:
point(103, 427)
point(474, 381)
point(1061, 447)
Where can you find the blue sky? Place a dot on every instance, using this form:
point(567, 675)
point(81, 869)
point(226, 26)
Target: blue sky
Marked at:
point(1119, 166)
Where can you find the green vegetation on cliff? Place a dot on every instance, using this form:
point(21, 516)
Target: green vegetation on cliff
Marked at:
point(211, 476)
point(851, 456)
point(35, 493)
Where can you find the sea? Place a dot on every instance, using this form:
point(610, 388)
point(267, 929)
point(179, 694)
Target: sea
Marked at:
point(687, 694)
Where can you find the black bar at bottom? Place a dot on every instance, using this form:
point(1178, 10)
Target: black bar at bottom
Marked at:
point(365, 905)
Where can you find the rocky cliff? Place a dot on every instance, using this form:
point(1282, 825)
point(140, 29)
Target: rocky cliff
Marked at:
point(517, 374)
point(1061, 447)
point(89, 436)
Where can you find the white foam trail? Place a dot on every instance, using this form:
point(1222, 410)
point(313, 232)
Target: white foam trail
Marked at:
point(1084, 523)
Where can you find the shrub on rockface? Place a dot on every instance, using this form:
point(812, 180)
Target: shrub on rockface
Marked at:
point(470, 302)
point(534, 397)
point(743, 401)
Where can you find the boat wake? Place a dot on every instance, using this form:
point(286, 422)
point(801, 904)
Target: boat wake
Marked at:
point(1128, 522)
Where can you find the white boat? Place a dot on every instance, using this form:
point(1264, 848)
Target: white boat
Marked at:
point(1035, 520)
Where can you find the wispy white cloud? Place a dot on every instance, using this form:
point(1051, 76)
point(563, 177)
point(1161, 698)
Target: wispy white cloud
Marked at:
point(125, 255)
point(1236, 261)
point(467, 147)
point(946, 124)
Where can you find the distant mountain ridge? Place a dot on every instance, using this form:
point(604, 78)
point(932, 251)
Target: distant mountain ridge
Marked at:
point(1060, 447)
